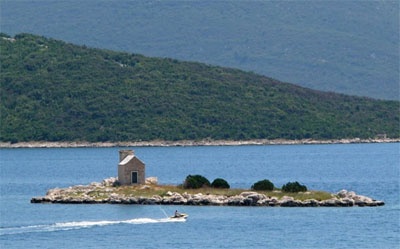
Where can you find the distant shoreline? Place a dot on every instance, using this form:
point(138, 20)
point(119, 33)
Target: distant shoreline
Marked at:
point(161, 143)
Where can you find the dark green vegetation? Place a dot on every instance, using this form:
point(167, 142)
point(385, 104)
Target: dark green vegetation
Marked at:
point(294, 187)
point(220, 183)
point(55, 91)
point(265, 184)
point(349, 47)
point(199, 181)
point(196, 181)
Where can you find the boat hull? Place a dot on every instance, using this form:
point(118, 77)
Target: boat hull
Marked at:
point(180, 216)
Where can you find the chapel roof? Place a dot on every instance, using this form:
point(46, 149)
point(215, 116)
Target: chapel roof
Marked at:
point(126, 159)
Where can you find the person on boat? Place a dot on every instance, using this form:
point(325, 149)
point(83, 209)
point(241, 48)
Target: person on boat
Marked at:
point(177, 214)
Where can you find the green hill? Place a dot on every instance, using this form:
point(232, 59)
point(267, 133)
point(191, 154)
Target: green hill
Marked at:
point(55, 91)
point(349, 47)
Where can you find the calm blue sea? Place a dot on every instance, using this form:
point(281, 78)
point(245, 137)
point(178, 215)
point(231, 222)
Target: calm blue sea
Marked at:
point(368, 169)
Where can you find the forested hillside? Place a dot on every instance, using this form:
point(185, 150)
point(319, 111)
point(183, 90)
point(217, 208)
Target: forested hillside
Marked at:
point(55, 91)
point(349, 47)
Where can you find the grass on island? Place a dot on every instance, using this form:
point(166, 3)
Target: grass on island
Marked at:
point(162, 190)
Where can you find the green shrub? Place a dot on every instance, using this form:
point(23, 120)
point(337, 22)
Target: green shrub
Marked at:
point(196, 181)
point(220, 183)
point(294, 187)
point(263, 185)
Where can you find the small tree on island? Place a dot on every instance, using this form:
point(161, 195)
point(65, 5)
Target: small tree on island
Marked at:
point(196, 181)
point(220, 183)
point(265, 184)
point(294, 187)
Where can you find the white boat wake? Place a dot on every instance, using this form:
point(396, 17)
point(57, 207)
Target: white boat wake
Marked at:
point(63, 226)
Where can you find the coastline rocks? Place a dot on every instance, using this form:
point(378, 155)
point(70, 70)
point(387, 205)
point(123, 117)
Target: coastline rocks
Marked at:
point(109, 182)
point(205, 142)
point(151, 180)
point(359, 200)
point(104, 193)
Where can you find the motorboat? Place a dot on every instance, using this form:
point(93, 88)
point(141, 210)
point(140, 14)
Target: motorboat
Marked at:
point(179, 216)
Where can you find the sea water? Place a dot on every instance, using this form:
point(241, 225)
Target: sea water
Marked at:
point(367, 169)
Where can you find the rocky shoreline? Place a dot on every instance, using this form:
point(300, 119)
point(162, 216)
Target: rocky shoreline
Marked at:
point(103, 193)
point(207, 142)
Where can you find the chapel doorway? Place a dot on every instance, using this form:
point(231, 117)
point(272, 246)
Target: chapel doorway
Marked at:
point(134, 177)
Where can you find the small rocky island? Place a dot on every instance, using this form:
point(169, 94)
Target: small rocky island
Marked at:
point(151, 193)
point(131, 187)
